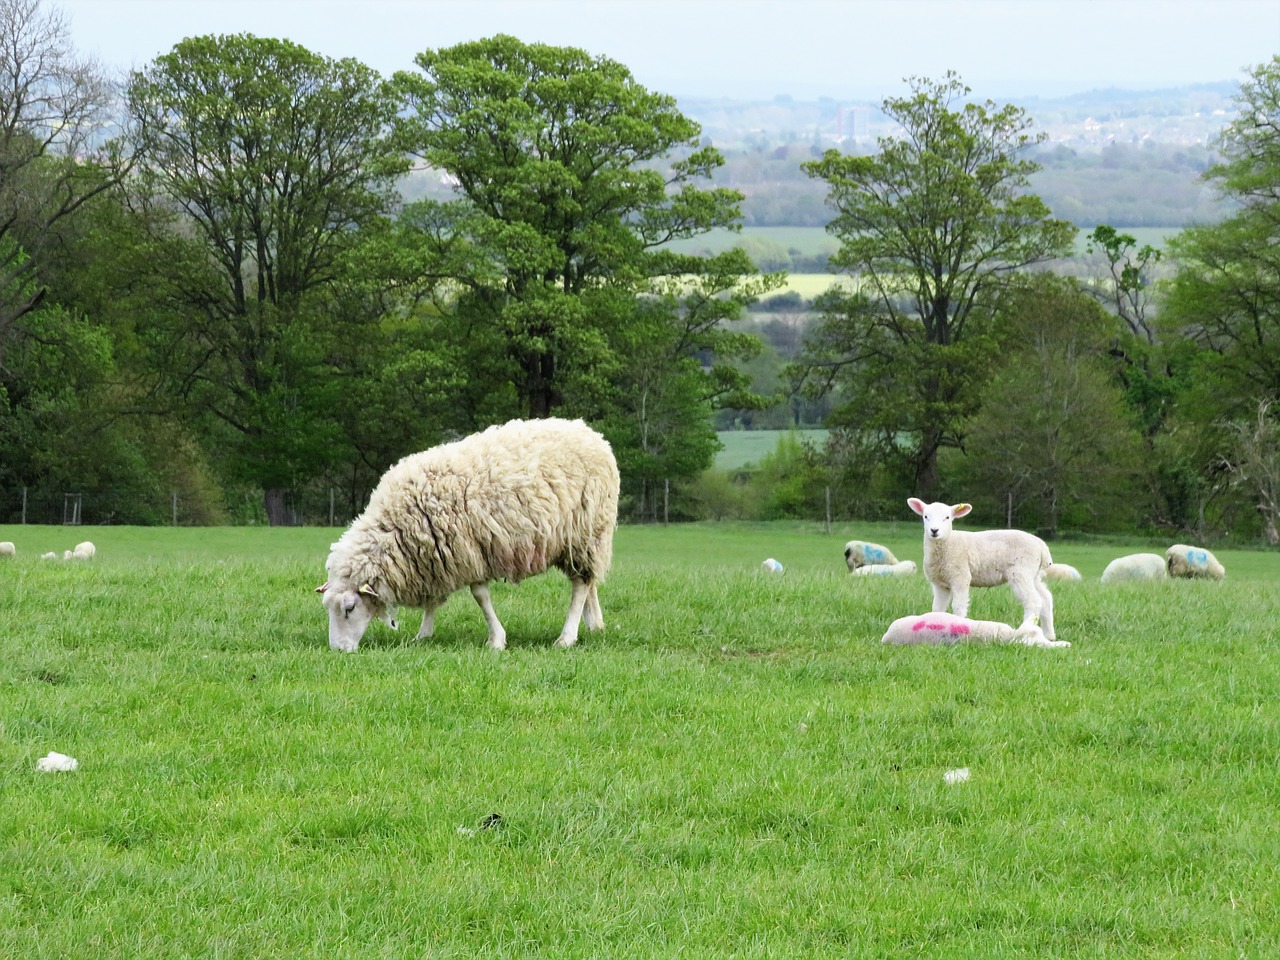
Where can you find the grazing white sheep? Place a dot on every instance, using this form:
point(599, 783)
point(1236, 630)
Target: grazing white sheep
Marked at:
point(946, 628)
point(1062, 571)
point(84, 551)
point(954, 560)
point(510, 502)
point(901, 568)
point(860, 553)
point(1184, 561)
point(49, 556)
point(1135, 566)
point(7, 549)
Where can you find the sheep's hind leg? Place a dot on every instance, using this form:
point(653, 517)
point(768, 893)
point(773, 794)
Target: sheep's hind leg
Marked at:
point(497, 636)
point(591, 613)
point(569, 635)
point(1046, 609)
point(1025, 591)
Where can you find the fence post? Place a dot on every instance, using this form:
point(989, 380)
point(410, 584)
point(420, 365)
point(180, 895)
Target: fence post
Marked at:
point(175, 508)
point(331, 506)
point(827, 528)
point(1009, 513)
point(24, 506)
point(666, 501)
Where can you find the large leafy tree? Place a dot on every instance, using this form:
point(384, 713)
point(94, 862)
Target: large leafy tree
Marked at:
point(932, 228)
point(274, 158)
point(1226, 292)
point(571, 177)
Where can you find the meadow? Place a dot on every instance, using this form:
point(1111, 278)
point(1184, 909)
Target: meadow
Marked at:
point(735, 767)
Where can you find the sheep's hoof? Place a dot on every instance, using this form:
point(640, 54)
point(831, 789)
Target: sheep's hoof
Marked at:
point(498, 643)
point(564, 643)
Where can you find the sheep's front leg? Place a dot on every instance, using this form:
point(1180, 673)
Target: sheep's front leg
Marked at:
point(497, 635)
point(960, 599)
point(429, 619)
point(941, 597)
point(569, 635)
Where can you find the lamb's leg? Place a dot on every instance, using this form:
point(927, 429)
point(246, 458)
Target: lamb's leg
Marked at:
point(569, 635)
point(497, 636)
point(591, 614)
point(941, 597)
point(1046, 609)
point(959, 599)
point(1025, 592)
point(429, 620)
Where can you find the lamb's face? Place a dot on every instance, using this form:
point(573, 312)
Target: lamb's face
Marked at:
point(937, 517)
point(350, 613)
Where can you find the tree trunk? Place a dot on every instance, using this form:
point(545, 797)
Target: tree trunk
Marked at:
point(279, 514)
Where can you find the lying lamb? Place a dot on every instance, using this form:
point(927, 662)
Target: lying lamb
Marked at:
point(954, 560)
point(509, 503)
point(1135, 566)
point(1062, 571)
point(7, 549)
point(947, 628)
point(1184, 561)
point(901, 568)
point(860, 553)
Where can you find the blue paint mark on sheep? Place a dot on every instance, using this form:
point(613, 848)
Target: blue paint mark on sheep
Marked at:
point(874, 554)
point(1198, 558)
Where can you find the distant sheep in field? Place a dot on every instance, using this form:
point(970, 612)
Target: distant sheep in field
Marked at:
point(860, 553)
point(902, 568)
point(49, 556)
point(7, 549)
point(1062, 571)
point(83, 551)
point(954, 560)
point(945, 629)
point(1184, 561)
point(1135, 566)
point(508, 503)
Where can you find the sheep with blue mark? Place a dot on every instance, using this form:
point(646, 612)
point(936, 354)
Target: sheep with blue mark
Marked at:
point(860, 553)
point(1182, 560)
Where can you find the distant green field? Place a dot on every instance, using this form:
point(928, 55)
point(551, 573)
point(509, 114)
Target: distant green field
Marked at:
point(742, 447)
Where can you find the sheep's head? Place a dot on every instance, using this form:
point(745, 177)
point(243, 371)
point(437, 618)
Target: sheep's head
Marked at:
point(350, 613)
point(938, 516)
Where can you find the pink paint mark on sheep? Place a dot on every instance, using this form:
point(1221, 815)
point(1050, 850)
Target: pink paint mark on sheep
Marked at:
point(923, 624)
point(959, 629)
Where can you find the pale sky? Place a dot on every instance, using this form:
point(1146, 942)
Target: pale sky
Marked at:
point(750, 49)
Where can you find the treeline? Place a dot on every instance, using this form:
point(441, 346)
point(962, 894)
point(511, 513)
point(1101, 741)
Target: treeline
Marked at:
point(234, 310)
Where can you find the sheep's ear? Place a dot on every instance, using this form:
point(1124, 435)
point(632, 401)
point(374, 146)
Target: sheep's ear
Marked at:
point(323, 587)
point(960, 509)
point(368, 591)
point(916, 504)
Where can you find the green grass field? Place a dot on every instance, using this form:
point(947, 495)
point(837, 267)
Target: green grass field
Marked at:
point(744, 447)
point(735, 768)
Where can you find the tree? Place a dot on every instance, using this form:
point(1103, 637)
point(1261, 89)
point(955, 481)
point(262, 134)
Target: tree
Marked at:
point(932, 228)
point(275, 157)
point(1054, 437)
point(571, 177)
point(1225, 294)
point(54, 107)
point(1255, 463)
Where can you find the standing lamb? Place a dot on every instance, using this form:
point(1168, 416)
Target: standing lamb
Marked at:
point(954, 560)
point(1184, 561)
point(510, 502)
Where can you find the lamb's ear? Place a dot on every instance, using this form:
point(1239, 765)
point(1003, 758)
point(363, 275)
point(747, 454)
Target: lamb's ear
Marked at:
point(916, 504)
point(960, 509)
point(368, 591)
point(323, 587)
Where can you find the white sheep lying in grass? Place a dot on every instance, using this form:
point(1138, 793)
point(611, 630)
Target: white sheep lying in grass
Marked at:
point(1135, 566)
point(83, 551)
point(1184, 561)
point(944, 629)
point(7, 549)
point(1062, 571)
point(901, 568)
point(49, 556)
point(507, 503)
point(860, 553)
point(954, 560)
